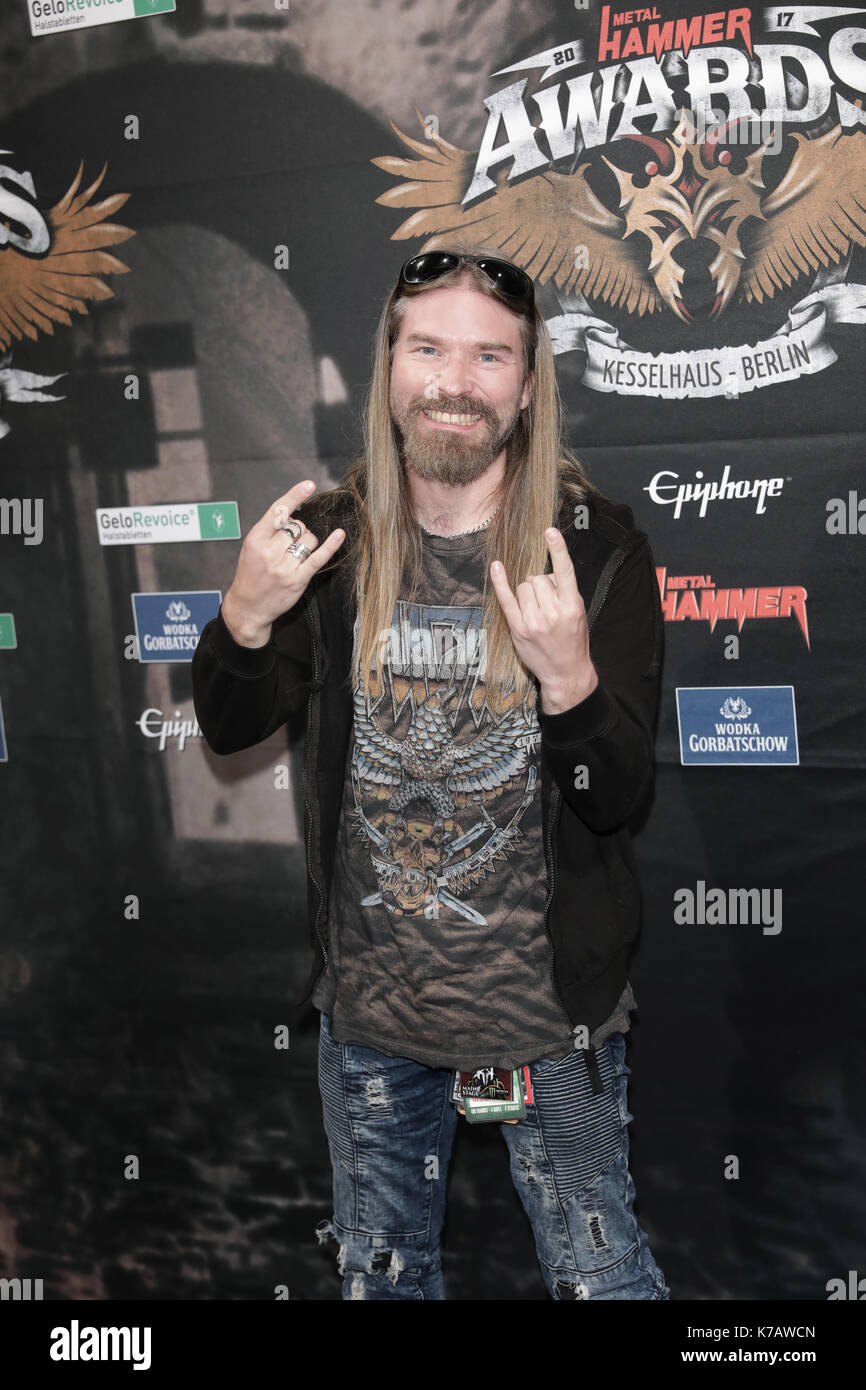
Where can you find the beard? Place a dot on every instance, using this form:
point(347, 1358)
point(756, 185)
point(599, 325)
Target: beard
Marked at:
point(444, 455)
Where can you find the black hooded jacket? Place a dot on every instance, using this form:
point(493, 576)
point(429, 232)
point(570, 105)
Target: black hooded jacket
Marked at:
point(242, 695)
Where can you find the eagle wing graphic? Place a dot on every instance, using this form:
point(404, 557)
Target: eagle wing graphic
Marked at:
point(377, 756)
point(489, 762)
point(814, 214)
point(538, 223)
point(38, 291)
point(480, 767)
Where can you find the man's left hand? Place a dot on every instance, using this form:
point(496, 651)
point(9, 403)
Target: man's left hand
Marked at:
point(547, 620)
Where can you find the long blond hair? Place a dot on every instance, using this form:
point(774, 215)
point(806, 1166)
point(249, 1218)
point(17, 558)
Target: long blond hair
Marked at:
point(541, 474)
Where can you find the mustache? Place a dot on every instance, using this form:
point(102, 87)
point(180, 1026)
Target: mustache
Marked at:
point(450, 407)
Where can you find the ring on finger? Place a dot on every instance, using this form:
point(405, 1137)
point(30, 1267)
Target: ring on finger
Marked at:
point(300, 550)
point(290, 527)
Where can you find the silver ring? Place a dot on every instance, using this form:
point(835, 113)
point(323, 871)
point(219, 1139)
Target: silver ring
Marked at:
point(290, 527)
point(299, 549)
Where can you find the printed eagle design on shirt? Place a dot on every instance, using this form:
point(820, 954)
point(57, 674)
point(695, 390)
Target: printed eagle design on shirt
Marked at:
point(422, 863)
point(428, 764)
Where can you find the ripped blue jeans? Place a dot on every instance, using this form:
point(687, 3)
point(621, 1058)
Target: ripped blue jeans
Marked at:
point(390, 1124)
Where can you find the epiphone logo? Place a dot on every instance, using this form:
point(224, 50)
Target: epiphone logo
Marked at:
point(666, 489)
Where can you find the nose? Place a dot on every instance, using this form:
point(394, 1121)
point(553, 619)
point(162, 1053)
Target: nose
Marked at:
point(456, 377)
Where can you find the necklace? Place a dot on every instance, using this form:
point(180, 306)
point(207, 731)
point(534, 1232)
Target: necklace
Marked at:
point(470, 532)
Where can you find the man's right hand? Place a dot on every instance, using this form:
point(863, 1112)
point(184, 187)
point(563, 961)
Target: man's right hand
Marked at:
point(269, 580)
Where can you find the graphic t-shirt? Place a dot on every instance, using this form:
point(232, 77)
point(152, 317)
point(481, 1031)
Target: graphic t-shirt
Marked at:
point(438, 945)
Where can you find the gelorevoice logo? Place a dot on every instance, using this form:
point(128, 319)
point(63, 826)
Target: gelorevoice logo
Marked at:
point(666, 490)
point(176, 521)
point(749, 725)
point(22, 516)
point(168, 625)
point(51, 16)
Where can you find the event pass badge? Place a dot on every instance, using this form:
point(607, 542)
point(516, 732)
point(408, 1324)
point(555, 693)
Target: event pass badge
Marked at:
point(493, 1093)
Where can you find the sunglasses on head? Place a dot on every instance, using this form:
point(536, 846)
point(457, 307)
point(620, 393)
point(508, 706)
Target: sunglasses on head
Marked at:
point(508, 279)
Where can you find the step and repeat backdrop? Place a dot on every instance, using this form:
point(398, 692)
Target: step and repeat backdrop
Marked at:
point(203, 204)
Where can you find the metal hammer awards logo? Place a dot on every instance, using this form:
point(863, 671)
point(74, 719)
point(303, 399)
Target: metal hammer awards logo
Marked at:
point(669, 169)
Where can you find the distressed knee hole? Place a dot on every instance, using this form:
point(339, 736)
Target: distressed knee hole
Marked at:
point(566, 1292)
point(595, 1230)
point(377, 1095)
point(388, 1262)
point(325, 1229)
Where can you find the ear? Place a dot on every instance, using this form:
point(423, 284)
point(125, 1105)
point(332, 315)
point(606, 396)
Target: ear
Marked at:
point(528, 388)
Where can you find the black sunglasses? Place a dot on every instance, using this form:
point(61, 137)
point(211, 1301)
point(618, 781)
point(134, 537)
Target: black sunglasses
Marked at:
point(508, 279)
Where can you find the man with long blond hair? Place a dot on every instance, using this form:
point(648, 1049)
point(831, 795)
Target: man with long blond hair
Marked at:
point(476, 633)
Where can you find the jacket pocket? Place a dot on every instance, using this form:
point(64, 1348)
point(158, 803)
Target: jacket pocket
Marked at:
point(623, 881)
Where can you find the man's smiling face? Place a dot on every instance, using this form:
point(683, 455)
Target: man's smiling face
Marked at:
point(459, 353)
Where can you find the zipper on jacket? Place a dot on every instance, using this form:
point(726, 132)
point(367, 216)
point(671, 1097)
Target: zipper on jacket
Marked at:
point(551, 884)
point(556, 797)
point(605, 580)
point(307, 780)
point(312, 611)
